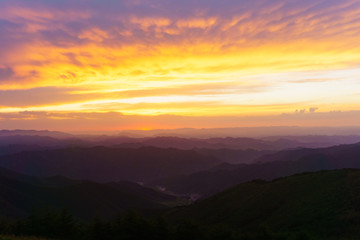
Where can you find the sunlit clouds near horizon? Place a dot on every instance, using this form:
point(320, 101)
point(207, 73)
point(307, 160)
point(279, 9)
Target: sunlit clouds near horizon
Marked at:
point(67, 64)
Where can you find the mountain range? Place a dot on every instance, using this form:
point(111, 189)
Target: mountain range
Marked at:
point(288, 184)
point(268, 167)
point(105, 164)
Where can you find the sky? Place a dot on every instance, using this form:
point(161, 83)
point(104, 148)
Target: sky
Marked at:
point(105, 65)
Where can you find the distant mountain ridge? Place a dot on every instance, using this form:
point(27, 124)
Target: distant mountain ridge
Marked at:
point(281, 164)
point(19, 132)
point(40, 141)
point(105, 164)
point(180, 171)
point(51, 138)
point(296, 154)
point(235, 143)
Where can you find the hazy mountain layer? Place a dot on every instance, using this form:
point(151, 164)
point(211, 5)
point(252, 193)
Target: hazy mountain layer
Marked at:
point(280, 164)
point(109, 164)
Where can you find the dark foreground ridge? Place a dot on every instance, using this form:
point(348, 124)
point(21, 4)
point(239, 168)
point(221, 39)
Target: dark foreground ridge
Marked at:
point(321, 205)
point(21, 195)
point(325, 202)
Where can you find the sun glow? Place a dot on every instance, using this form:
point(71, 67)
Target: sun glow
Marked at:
point(220, 63)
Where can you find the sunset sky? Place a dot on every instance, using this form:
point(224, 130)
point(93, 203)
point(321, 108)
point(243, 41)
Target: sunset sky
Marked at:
point(82, 65)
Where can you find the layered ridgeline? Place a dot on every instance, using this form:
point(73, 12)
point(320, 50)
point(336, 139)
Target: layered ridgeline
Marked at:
point(50, 139)
point(21, 195)
point(179, 171)
point(104, 164)
point(323, 204)
point(284, 163)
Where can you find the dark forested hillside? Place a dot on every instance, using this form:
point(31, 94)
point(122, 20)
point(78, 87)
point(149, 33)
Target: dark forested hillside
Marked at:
point(325, 204)
point(320, 206)
point(21, 195)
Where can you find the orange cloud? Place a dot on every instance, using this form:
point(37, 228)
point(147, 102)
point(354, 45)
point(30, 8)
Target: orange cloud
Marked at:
point(242, 57)
point(196, 23)
point(147, 22)
point(94, 34)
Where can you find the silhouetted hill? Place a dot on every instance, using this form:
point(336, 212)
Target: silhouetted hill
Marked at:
point(229, 149)
point(20, 195)
point(55, 181)
point(322, 205)
point(316, 141)
point(234, 156)
point(109, 164)
point(44, 133)
point(43, 141)
point(325, 204)
point(280, 164)
point(13, 175)
point(191, 143)
point(14, 141)
point(16, 148)
point(234, 143)
point(350, 151)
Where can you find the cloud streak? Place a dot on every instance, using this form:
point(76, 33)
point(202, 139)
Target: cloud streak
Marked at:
point(179, 57)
